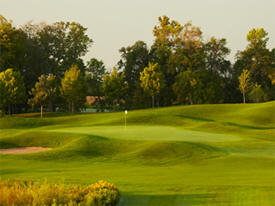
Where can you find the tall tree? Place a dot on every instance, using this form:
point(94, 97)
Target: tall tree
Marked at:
point(176, 48)
point(152, 81)
point(12, 89)
point(62, 44)
point(184, 87)
point(165, 32)
point(73, 88)
point(133, 60)
point(114, 88)
point(244, 82)
point(12, 45)
point(43, 92)
point(256, 94)
point(216, 53)
point(257, 58)
point(36, 61)
point(95, 70)
point(219, 70)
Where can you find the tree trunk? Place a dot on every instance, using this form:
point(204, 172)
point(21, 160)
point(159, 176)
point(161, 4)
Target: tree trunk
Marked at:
point(41, 111)
point(157, 101)
point(72, 107)
point(153, 101)
point(50, 107)
point(190, 99)
point(9, 109)
point(244, 97)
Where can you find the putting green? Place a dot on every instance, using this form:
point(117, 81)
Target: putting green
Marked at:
point(149, 133)
point(183, 155)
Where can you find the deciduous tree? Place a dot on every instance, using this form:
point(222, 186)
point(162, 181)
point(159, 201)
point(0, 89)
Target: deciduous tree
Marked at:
point(258, 60)
point(176, 48)
point(43, 92)
point(12, 45)
point(133, 60)
point(95, 70)
point(216, 53)
point(184, 87)
point(12, 89)
point(244, 82)
point(63, 44)
point(73, 88)
point(152, 81)
point(114, 88)
point(256, 94)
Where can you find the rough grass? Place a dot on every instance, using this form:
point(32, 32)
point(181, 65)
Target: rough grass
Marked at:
point(18, 192)
point(183, 155)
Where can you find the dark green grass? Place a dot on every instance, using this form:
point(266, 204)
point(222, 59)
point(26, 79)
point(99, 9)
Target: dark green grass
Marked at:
point(183, 155)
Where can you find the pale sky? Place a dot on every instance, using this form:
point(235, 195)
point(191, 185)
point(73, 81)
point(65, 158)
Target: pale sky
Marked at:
point(113, 24)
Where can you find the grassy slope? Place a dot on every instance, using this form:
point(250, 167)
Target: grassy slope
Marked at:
point(197, 155)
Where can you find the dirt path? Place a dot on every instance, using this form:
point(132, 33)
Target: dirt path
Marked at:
point(23, 150)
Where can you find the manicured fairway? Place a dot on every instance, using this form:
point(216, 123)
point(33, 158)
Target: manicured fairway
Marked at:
point(183, 155)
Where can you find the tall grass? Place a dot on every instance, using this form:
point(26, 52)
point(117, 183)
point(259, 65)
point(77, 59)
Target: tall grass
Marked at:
point(20, 192)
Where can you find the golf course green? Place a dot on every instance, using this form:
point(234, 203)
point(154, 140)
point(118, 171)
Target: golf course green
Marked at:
point(221, 154)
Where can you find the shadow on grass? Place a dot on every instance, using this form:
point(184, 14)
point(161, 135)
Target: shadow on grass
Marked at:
point(7, 145)
point(195, 118)
point(251, 196)
point(247, 126)
point(225, 123)
point(171, 200)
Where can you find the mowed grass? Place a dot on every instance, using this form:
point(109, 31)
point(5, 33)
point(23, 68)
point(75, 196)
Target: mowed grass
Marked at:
point(183, 155)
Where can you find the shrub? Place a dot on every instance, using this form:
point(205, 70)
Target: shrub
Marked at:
point(256, 94)
point(20, 192)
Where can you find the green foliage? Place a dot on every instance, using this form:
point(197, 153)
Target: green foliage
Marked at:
point(178, 49)
point(140, 98)
point(258, 60)
point(95, 71)
point(257, 38)
point(182, 42)
point(73, 87)
point(44, 91)
point(134, 59)
point(12, 89)
point(256, 94)
point(152, 81)
point(114, 88)
point(12, 45)
point(64, 42)
point(216, 52)
point(218, 78)
point(37, 49)
point(184, 87)
point(19, 192)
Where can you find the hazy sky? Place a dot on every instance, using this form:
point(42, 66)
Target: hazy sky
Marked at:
point(113, 24)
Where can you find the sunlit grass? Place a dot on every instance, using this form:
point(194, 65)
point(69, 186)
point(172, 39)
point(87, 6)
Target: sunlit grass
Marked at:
point(192, 155)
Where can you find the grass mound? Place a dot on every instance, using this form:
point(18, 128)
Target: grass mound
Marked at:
point(166, 156)
point(71, 146)
point(36, 138)
point(179, 151)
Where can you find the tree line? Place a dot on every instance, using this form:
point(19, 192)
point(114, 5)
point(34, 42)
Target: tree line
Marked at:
point(41, 67)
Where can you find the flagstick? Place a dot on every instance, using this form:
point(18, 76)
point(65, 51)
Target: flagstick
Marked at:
point(125, 118)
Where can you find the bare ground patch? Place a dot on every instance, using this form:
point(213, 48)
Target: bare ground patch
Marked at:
point(23, 150)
